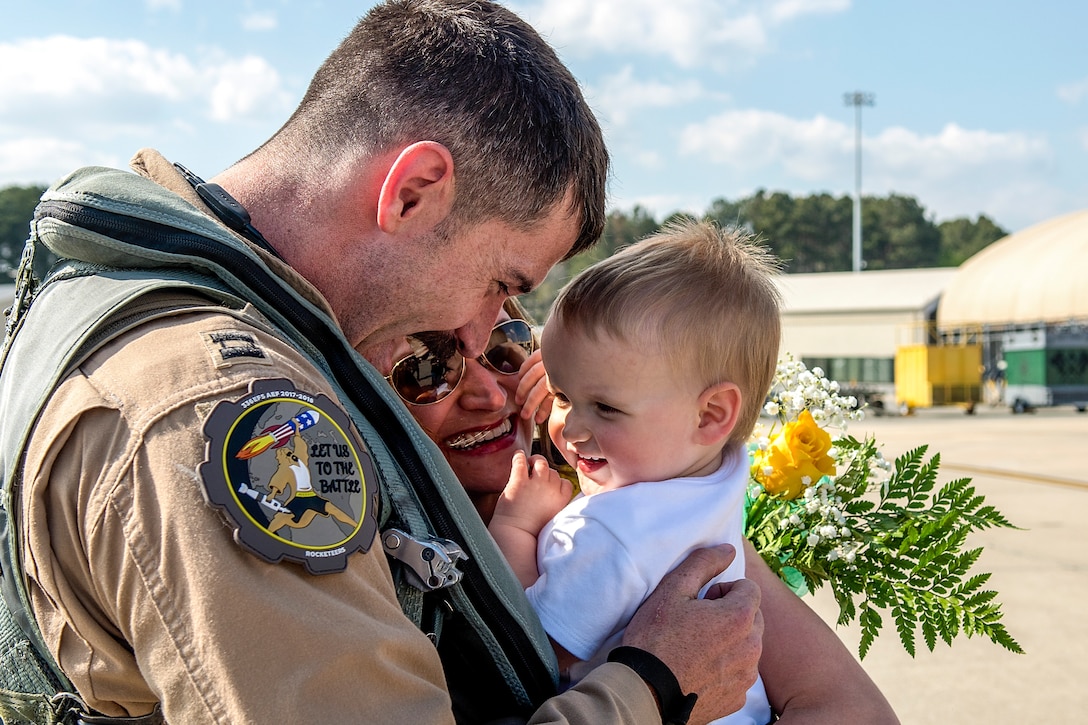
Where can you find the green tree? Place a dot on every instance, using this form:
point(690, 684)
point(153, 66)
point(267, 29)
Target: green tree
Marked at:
point(728, 214)
point(809, 234)
point(620, 230)
point(962, 238)
point(818, 236)
point(897, 235)
point(16, 210)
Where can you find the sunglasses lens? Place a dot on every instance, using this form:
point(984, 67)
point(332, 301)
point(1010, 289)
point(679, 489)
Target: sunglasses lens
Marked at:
point(510, 345)
point(425, 379)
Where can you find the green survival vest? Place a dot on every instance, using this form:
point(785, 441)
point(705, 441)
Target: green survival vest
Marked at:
point(132, 251)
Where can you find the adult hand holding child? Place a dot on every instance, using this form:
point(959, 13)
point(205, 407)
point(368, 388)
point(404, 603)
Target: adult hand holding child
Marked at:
point(726, 627)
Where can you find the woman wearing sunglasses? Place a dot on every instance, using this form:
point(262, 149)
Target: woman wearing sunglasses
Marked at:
point(479, 412)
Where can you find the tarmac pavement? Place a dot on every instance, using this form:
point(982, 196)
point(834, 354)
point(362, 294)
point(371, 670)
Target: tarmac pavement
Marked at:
point(1032, 468)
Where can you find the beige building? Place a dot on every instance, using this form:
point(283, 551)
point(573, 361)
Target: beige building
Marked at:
point(1027, 295)
point(1023, 300)
point(851, 324)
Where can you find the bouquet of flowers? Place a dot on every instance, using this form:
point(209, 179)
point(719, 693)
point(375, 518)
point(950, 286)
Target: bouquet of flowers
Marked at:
point(827, 508)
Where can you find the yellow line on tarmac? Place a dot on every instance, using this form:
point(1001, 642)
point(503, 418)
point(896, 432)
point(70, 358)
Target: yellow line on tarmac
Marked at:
point(1032, 477)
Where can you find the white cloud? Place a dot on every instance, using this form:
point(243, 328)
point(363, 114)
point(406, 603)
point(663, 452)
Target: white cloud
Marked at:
point(811, 149)
point(63, 97)
point(1073, 92)
point(617, 96)
point(785, 10)
point(153, 5)
point(63, 67)
point(955, 151)
point(260, 21)
point(752, 139)
point(127, 80)
point(954, 172)
point(691, 33)
point(243, 87)
point(42, 159)
point(662, 205)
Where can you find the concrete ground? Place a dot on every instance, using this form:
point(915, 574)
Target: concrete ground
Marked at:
point(1033, 468)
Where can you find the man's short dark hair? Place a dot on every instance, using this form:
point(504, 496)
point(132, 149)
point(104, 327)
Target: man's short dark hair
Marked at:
point(473, 76)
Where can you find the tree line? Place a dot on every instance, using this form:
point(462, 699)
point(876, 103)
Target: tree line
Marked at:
point(809, 233)
point(16, 210)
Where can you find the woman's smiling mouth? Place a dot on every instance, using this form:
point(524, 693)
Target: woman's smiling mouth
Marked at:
point(468, 441)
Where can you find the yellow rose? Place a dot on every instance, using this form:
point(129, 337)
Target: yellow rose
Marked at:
point(799, 451)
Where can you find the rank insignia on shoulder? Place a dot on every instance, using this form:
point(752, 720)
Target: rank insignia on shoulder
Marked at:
point(289, 474)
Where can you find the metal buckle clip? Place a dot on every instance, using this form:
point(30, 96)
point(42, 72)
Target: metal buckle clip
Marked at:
point(431, 563)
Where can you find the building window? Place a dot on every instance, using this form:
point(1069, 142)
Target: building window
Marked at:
point(851, 371)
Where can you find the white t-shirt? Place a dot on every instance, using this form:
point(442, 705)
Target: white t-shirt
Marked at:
point(602, 555)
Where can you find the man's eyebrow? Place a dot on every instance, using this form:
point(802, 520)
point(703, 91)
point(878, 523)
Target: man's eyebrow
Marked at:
point(522, 283)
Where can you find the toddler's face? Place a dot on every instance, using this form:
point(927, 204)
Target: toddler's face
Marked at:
point(622, 414)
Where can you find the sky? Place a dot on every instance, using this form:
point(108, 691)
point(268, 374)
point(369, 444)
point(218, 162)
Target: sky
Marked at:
point(979, 106)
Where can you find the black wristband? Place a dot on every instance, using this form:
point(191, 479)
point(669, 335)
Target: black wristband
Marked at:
point(675, 706)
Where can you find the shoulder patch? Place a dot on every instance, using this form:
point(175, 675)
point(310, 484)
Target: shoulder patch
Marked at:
point(228, 347)
point(292, 479)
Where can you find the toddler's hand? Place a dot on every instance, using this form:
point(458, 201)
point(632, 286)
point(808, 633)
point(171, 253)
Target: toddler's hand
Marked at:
point(533, 496)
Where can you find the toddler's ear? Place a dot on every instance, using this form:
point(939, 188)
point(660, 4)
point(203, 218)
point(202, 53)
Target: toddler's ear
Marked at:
point(719, 408)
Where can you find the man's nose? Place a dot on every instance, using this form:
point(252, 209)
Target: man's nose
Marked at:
point(473, 336)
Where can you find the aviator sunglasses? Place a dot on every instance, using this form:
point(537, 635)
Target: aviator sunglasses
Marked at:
point(427, 377)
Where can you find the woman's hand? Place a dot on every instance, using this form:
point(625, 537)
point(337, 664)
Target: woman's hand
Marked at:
point(532, 393)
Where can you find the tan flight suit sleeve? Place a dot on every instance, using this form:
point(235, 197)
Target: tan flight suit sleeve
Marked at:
point(139, 588)
point(143, 596)
point(611, 693)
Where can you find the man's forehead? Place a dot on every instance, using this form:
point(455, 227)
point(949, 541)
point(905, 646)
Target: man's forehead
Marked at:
point(549, 248)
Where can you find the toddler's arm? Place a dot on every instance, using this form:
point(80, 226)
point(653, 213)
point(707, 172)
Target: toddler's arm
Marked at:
point(533, 496)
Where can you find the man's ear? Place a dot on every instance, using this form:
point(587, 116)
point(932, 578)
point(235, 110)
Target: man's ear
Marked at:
point(418, 188)
point(719, 409)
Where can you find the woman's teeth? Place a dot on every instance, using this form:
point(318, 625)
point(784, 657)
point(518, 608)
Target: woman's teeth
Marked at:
point(471, 440)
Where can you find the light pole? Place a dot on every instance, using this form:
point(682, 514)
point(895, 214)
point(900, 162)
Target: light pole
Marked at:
point(857, 99)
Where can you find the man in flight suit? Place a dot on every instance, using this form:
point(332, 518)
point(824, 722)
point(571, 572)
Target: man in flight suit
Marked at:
point(442, 159)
